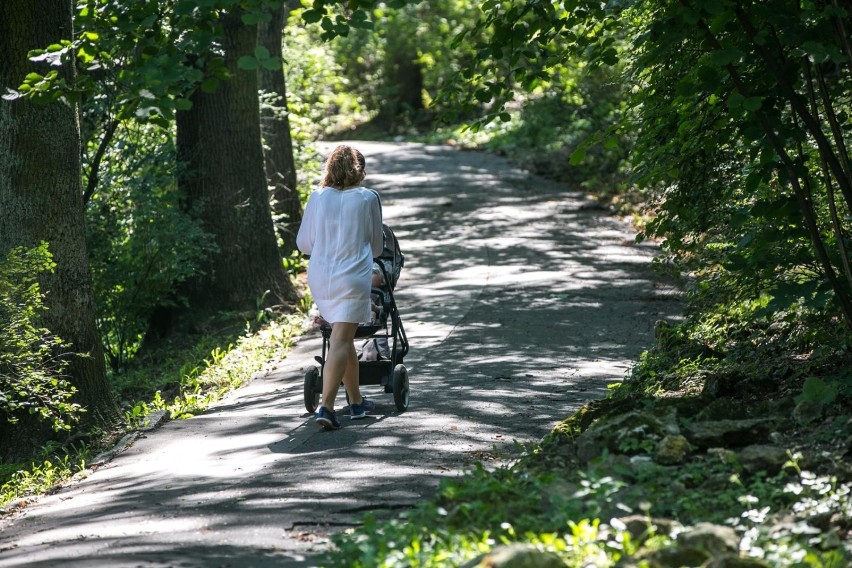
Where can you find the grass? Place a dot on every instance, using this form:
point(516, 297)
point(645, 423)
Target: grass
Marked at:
point(625, 509)
point(184, 379)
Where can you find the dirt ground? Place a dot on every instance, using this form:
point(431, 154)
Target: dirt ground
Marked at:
point(521, 301)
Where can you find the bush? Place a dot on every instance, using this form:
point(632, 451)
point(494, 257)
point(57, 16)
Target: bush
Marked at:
point(31, 364)
point(141, 243)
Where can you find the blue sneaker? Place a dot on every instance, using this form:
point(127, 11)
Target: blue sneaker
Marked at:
point(360, 410)
point(327, 419)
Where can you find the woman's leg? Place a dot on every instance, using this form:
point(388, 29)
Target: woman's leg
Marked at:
point(351, 377)
point(341, 352)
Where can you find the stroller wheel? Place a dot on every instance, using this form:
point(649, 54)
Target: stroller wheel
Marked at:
point(313, 389)
point(400, 387)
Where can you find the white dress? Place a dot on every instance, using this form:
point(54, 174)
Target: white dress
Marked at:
point(341, 230)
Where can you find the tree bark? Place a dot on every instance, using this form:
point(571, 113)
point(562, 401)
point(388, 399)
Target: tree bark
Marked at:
point(41, 200)
point(219, 144)
point(275, 129)
point(404, 86)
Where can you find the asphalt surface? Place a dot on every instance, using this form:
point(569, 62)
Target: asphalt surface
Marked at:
point(521, 301)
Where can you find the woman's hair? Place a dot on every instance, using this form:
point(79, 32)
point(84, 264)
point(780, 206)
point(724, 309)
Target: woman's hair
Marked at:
point(343, 168)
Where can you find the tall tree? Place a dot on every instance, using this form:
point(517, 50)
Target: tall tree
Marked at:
point(41, 200)
point(219, 142)
point(740, 113)
point(275, 127)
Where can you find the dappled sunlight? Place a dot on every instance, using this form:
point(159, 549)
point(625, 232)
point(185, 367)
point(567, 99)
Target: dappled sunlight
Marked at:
point(519, 307)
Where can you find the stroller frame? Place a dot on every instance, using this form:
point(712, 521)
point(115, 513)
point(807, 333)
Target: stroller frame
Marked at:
point(389, 373)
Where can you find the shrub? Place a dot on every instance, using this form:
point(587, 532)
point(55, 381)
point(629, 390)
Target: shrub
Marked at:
point(31, 364)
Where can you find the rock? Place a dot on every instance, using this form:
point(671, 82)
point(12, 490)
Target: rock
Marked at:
point(672, 449)
point(733, 561)
point(713, 539)
point(677, 558)
point(763, 458)
point(808, 412)
point(516, 556)
point(558, 494)
point(732, 433)
point(628, 433)
point(640, 526)
point(722, 409)
point(720, 385)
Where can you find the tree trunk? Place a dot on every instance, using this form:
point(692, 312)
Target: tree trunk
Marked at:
point(409, 78)
point(223, 177)
point(275, 128)
point(41, 200)
point(403, 77)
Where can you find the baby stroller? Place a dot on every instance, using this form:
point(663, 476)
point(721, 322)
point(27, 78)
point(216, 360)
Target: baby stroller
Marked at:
point(387, 368)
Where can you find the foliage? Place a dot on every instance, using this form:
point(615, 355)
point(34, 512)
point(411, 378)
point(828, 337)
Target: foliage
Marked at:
point(319, 96)
point(141, 243)
point(32, 359)
point(405, 51)
point(40, 476)
point(740, 117)
point(472, 514)
point(749, 201)
point(207, 374)
point(557, 120)
point(144, 58)
point(193, 376)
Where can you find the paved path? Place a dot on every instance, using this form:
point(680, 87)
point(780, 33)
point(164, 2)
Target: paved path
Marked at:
point(521, 302)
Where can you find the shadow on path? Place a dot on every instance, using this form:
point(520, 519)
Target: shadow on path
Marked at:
point(521, 304)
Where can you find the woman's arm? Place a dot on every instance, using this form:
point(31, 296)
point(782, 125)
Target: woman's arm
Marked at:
point(377, 236)
point(307, 230)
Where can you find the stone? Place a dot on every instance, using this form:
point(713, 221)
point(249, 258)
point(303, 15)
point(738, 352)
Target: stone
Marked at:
point(516, 556)
point(625, 433)
point(766, 458)
point(672, 450)
point(641, 526)
point(808, 411)
point(714, 539)
point(677, 557)
point(730, 433)
point(733, 561)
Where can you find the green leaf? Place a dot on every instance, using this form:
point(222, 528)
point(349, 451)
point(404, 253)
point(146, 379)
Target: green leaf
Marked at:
point(815, 50)
point(577, 156)
point(483, 95)
point(817, 390)
point(312, 16)
point(752, 103)
point(611, 143)
point(713, 6)
point(271, 64)
point(247, 62)
point(362, 24)
point(726, 56)
point(735, 101)
point(210, 85)
point(690, 16)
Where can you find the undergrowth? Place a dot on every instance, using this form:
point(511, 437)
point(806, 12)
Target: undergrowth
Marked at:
point(587, 514)
point(183, 380)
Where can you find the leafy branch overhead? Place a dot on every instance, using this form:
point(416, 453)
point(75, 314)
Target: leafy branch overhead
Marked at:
point(151, 55)
point(739, 115)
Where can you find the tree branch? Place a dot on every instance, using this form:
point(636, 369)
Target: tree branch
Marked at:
point(92, 183)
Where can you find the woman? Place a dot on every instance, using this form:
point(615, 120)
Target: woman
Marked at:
point(342, 232)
